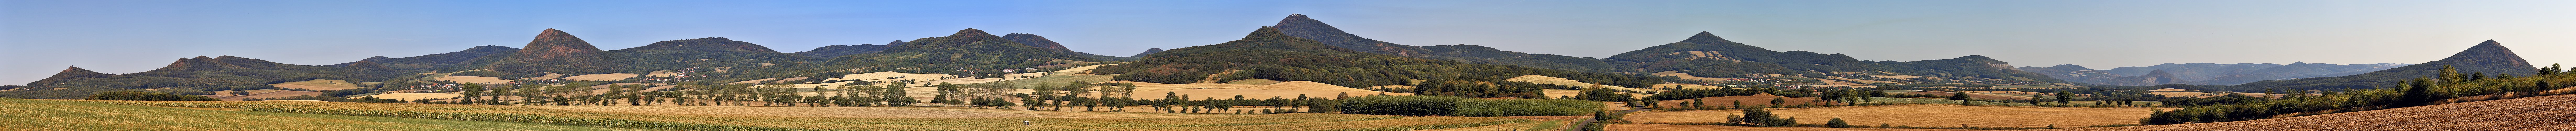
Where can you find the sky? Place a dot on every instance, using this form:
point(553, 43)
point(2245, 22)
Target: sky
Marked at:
point(41, 37)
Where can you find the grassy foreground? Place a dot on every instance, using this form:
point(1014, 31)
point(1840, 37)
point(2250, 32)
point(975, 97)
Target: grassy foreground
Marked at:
point(54, 115)
point(730, 122)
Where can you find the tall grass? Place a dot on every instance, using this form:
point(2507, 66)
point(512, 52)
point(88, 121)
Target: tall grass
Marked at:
point(1525, 107)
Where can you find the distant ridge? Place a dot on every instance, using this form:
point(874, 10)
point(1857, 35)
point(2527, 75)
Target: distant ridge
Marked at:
point(1300, 26)
point(2487, 57)
point(842, 50)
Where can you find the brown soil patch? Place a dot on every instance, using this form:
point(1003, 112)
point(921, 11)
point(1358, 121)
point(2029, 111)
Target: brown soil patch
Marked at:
point(1929, 115)
point(1660, 127)
point(866, 112)
point(2519, 114)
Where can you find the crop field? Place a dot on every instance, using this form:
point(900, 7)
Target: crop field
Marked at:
point(1660, 86)
point(318, 85)
point(1929, 115)
point(1753, 100)
point(1058, 80)
point(1943, 101)
point(1306, 85)
point(1147, 86)
point(867, 112)
point(602, 77)
point(1687, 76)
point(270, 94)
point(25, 114)
point(473, 79)
point(414, 96)
point(1254, 81)
point(1562, 81)
point(1661, 127)
point(736, 122)
point(1196, 94)
point(2531, 113)
point(1975, 95)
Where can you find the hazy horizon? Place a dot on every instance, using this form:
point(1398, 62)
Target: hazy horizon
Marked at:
point(39, 38)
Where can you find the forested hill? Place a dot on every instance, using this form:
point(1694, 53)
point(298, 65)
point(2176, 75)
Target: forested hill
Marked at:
point(1302, 27)
point(196, 76)
point(433, 62)
point(969, 52)
point(558, 52)
point(1707, 55)
point(2487, 58)
point(1041, 42)
point(1267, 53)
point(708, 53)
point(842, 50)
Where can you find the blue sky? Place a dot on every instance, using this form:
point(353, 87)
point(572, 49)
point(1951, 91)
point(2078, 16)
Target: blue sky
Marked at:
point(40, 37)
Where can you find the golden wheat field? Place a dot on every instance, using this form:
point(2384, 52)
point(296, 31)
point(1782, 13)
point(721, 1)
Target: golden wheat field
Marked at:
point(866, 112)
point(739, 122)
point(2518, 114)
point(1929, 115)
point(1661, 127)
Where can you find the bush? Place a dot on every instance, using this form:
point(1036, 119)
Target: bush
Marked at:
point(1525, 107)
point(146, 96)
point(1401, 105)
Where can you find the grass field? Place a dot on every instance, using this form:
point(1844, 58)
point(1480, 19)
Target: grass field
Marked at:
point(2518, 114)
point(733, 122)
point(1196, 94)
point(1929, 115)
point(269, 94)
point(318, 85)
point(25, 114)
point(1749, 101)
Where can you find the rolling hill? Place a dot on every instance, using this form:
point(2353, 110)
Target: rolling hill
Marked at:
point(2488, 57)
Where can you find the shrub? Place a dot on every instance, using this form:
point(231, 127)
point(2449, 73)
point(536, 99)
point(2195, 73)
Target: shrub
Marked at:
point(1401, 105)
point(1525, 107)
point(146, 96)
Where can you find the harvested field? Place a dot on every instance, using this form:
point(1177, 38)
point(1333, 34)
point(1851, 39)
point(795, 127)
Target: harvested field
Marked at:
point(86, 115)
point(1975, 95)
point(892, 76)
point(548, 76)
point(1754, 100)
point(318, 85)
point(1661, 127)
point(1862, 81)
point(959, 81)
point(1146, 86)
point(2031, 87)
point(1898, 77)
point(1930, 115)
point(867, 112)
point(1562, 81)
point(1059, 80)
point(602, 77)
point(664, 73)
point(757, 81)
point(1253, 81)
point(273, 94)
point(2532, 113)
point(1307, 85)
point(414, 96)
point(1299, 121)
point(473, 79)
point(1688, 76)
point(2078, 95)
point(1196, 94)
point(1684, 86)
